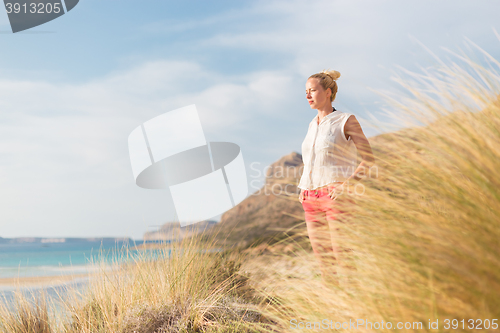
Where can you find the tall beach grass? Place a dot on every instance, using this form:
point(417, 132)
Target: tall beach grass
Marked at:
point(177, 287)
point(421, 243)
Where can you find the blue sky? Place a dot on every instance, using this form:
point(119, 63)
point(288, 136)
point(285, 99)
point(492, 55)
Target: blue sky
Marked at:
point(73, 89)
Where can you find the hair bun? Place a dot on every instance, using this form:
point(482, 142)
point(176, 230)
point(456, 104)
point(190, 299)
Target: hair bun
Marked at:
point(333, 74)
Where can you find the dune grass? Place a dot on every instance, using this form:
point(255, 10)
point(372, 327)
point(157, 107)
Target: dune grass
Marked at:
point(26, 314)
point(175, 288)
point(422, 241)
point(179, 288)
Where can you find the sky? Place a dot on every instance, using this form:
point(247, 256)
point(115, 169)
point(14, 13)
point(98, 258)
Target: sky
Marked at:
point(73, 89)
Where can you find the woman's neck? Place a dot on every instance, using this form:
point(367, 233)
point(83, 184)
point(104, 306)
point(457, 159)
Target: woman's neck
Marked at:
point(324, 111)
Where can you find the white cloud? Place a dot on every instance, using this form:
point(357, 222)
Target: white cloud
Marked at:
point(63, 145)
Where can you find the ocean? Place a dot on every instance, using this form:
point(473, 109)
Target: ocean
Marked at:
point(52, 259)
point(36, 259)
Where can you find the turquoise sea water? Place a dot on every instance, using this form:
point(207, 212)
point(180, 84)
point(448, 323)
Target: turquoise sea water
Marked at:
point(53, 259)
point(49, 259)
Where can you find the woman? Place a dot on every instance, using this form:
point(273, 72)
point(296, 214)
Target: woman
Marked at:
point(329, 153)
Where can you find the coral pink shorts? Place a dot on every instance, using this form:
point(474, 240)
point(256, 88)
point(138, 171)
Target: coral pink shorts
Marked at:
point(319, 207)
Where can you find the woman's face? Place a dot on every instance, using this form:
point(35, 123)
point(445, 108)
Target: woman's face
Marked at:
point(316, 95)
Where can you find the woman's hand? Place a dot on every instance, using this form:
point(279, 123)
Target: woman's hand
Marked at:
point(337, 190)
point(301, 196)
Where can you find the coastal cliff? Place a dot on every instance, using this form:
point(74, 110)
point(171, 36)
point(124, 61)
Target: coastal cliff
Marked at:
point(269, 211)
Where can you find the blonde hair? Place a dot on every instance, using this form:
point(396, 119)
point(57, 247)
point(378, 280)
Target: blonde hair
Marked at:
point(328, 80)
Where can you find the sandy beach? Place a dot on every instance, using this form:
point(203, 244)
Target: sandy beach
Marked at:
point(39, 281)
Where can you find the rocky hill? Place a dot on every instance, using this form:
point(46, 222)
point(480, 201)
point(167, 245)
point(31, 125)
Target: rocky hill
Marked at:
point(267, 212)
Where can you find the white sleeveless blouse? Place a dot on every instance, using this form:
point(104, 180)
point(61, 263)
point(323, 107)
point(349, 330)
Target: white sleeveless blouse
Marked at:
point(327, 155)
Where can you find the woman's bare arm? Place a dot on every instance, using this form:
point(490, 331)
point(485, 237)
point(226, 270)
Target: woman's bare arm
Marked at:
point(353, 129)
